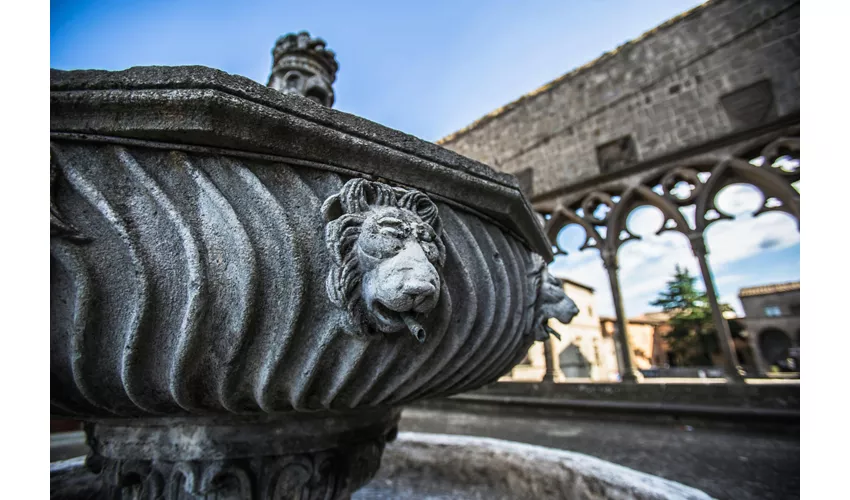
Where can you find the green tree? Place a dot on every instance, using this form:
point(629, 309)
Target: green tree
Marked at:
point(694, 336)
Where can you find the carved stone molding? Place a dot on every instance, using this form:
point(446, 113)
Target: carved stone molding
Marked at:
point(221, 113)
point(321, 475)
point(240, 459)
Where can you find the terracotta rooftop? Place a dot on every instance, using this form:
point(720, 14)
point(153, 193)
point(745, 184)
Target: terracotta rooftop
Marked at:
point(654, 318)
point(769, 289)
point(554, 83)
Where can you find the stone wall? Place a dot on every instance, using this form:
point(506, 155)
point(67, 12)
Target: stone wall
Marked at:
point(723, 67)
point(760, 396)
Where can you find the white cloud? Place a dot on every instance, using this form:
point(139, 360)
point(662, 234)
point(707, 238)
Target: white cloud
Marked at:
point(730, 241)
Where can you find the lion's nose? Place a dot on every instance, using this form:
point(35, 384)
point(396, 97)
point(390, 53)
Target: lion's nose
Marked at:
point(424, 294)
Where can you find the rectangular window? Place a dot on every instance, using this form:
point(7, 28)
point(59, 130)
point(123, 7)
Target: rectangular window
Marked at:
point(772, 311)
point(617, 154)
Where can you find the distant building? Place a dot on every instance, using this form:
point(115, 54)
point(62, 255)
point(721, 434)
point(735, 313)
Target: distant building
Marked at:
point(646, 334)
point(586, 348)
point(584, 351)
point(773, 325)
point(766, 340)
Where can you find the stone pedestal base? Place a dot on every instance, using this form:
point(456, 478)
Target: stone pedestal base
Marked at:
point(325, 456)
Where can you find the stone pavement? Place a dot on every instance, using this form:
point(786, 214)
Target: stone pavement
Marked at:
point(728, 462)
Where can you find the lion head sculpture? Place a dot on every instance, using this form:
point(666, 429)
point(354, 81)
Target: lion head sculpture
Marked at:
point(550, 302)
point(387, 252)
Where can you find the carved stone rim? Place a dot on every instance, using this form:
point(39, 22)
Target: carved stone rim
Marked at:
point(417, 457)
point(214, 438)
point(227, 111)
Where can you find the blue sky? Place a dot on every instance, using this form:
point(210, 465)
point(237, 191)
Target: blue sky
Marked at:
point(429, 68)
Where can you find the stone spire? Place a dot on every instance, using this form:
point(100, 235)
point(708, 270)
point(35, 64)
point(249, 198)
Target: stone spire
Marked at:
point(303, 66)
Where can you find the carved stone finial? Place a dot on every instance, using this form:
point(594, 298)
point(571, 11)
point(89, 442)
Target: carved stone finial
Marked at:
point(550, 302)
point(302, 65)
point(387, 251)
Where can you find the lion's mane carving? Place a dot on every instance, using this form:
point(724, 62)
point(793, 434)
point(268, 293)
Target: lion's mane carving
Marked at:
point(387, 252)
point(550, 301)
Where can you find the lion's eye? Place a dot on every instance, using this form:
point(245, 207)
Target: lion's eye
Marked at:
point(393, 227)
point(395, 233)
point(390, 222)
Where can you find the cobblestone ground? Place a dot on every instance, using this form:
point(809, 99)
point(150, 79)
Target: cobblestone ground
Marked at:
point(725, 463)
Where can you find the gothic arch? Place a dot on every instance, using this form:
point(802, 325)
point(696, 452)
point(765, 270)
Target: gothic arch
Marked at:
point(603, 213)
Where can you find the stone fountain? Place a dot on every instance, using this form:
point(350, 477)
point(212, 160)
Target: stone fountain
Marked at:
point(248, 286)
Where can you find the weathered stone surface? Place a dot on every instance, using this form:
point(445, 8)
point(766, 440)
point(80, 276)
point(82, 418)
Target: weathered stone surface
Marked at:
point(202, 289)
point(551, 302)
point(305, 456)
point(414, 466)
point(724, 458)
point(200, 286)
point(193, 108)
point(387, 249)
point(232, 272)
point(419, 465)
point(71, 480)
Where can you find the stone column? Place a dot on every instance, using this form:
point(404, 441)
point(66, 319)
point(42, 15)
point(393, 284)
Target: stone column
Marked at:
point(553, 365)
point(731, 366)
point(761, 366)
point(628, 373)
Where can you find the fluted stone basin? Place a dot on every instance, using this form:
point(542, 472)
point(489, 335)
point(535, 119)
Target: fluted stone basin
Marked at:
point(246, 286)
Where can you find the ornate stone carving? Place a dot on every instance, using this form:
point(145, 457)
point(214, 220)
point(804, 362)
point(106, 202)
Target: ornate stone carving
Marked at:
point(204, 289)
point(201, 300)
point(302, 65)
point(329, 474)
point(387, 250)
point(240, 458)
point(551, 302)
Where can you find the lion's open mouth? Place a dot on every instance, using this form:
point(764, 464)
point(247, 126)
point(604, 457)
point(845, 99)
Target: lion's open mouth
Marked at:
point(397, 320)
point(387, 316)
